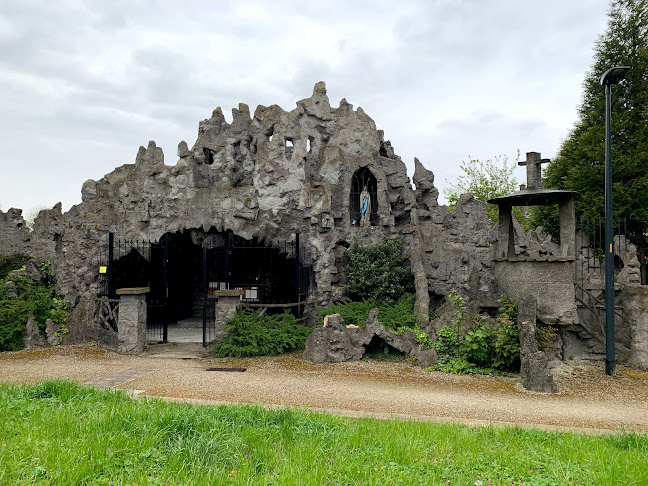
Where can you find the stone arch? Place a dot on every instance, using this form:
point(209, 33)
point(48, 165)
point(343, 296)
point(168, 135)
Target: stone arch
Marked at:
point(361, 178)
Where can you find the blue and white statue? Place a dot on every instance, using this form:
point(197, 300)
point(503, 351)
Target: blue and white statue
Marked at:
point(365, 207)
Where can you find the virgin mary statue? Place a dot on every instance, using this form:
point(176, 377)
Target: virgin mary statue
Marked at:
point(365, 207)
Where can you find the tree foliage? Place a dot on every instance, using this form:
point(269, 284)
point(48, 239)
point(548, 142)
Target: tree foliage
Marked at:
point(484, 180)
point(377, 272)
point(27, 297)
point(580, 163)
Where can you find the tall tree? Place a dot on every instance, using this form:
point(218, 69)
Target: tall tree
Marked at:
point(580, 163)
point(486, 180)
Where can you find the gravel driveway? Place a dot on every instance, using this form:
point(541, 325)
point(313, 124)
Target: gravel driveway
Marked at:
point(588, 399)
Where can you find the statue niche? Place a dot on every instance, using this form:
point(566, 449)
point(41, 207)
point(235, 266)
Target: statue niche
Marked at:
point(363, 200)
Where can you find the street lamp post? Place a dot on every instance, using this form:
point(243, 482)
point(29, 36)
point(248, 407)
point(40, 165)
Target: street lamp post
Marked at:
point(610, 77)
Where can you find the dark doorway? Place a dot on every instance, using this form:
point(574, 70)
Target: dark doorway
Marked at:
point(185, 269)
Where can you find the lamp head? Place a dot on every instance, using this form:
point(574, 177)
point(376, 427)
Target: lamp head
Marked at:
point(614, 75)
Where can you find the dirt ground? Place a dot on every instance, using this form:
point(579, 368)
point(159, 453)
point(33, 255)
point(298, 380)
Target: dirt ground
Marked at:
point(588, 400)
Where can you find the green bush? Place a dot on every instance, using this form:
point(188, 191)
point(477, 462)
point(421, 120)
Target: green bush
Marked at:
point(253, 334)
point(377, 272)
point(476, 346)
point(506, 343)
point(31, 297)
point(396, 316)
point(12, 262)
point(488, 347)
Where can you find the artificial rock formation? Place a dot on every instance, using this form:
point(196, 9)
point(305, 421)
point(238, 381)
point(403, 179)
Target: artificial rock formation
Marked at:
point(268, 176)
point(273, 173)
point(334, 342)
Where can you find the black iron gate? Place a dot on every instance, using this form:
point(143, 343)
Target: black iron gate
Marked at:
point(134, 263)
point(590, 244)
point(277, 276)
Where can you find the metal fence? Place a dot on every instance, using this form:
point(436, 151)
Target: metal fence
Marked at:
point(138, 263)
point(278, 274)
point(630, 236)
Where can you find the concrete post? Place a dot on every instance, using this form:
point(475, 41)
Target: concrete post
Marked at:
point(505, 242)
point(228, 300)
point(131, 320)
point(567, 217)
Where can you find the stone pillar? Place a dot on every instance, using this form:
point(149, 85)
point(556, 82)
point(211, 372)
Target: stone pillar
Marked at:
point(505, 242)
point(567, 217)
point(533, 362)
point(228, 301)
point(131, 320)
point(635, 302)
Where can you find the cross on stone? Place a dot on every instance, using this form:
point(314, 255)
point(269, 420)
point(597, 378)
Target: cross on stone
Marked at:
point(533, 169)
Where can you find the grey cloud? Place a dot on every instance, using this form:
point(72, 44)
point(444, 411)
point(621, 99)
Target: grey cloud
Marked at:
point(83, 84)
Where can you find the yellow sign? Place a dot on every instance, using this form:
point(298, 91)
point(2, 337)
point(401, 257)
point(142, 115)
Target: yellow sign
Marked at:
point(103, 269)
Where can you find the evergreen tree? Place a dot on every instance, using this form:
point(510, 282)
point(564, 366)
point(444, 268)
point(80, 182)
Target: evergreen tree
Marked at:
point(580, 163)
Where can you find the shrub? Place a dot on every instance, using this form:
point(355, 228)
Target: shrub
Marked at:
point(488, 347)
point(476, 346)
point(506, 345)
point(31, 297)
point(396, 316)
point(253, 334)
point(377, 272)
point(12, 262)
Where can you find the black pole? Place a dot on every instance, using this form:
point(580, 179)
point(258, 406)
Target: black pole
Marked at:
point(165, 256)
point(205, 290)
point(610, 359)
point(229, 264)
point(111, 252)
point(297, 268)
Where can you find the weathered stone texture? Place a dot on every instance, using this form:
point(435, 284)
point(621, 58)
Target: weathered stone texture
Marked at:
point(33, 337)
point(458, 249)
point(131, 326)
point(551, 283)
point(533, 362)
point(334, 342)
point(635, 305)
point(14, 234)
point(228, 300)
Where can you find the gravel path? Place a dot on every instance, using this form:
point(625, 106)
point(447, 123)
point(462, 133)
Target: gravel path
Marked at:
point(588, 399)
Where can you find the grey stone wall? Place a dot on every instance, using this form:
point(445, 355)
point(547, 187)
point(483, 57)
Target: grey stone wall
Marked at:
point(270, 175)
point(14, 235)
point(634, 300)
point(550, 282)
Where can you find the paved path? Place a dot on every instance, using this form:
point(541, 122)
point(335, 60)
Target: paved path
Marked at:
point(589, 400)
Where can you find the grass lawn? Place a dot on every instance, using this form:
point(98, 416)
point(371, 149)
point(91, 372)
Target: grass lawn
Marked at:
point(62, 433)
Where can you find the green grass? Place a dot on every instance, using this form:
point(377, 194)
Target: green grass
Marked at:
point(62, 433)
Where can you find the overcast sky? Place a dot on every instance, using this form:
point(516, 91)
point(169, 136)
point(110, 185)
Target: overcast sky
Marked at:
point(84, 83)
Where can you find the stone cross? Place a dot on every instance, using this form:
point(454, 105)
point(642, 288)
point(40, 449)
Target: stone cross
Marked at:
point(533, 169)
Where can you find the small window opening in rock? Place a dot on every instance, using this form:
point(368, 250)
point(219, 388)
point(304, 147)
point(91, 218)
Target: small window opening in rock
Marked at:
point(378, 349)
point(309, 144)
point(383, 150)
point(289, 147)
point(270, 133)
point(209, 156)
